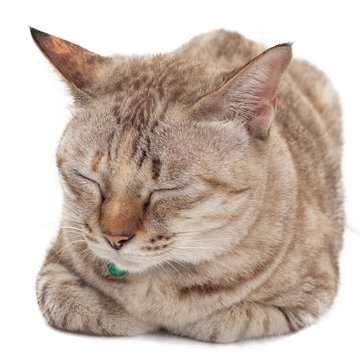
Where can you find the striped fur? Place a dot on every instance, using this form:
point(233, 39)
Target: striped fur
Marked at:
point(238, 231)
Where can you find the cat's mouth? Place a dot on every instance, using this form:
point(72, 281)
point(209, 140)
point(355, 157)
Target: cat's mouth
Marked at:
point(127, 262)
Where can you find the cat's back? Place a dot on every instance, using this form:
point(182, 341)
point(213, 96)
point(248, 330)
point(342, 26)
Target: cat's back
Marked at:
point(226, 48)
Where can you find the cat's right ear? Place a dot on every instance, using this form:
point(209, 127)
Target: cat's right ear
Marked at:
point(77, 65)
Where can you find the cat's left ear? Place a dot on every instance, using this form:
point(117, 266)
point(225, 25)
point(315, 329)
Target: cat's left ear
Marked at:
point(249, 96)
point(77, 65)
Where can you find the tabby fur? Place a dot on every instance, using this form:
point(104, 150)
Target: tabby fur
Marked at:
point(237, 209)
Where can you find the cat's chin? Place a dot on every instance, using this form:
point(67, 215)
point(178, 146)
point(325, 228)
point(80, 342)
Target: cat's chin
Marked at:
point(129, 265)
point(124, 262)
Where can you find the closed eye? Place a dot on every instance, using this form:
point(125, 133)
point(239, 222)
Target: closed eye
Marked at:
point(171, 188)
point(164, 190)
point(175, 187)
point(83, 176)
point(88, 180)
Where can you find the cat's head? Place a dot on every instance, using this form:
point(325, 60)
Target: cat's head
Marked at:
point(165, 156)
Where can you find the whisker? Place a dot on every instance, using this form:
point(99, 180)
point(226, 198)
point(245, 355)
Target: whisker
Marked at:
point(168, 262)
point(86, 251)
point(66, 212)
point(70, 227)
point(72, 220)
point(63, 248)
point(161, 265)
point(62, 253)
point(181, 264)
point(72, 234)
point(69, 212)
point(68, 231)
point(200, 247)
point(191, 232)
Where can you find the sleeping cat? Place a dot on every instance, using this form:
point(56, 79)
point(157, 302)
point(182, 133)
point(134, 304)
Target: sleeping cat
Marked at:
point(202, 192)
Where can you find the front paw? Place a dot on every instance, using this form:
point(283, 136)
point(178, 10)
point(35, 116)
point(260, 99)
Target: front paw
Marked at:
point(69, 304)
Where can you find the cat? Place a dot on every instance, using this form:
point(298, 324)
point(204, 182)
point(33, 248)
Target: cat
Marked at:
point(202, 192)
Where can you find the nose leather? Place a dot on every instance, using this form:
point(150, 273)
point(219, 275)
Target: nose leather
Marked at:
point(117, 238)
point(117, 241)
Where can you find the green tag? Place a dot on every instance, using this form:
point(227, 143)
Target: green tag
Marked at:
point(113, 270)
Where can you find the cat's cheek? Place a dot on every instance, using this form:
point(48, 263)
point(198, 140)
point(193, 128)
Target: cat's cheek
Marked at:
point(83, 206)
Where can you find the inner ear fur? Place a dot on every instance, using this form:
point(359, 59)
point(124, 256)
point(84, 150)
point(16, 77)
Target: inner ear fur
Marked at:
point(249, 94)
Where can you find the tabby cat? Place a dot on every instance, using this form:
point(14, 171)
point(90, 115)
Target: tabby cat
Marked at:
point(201, 195)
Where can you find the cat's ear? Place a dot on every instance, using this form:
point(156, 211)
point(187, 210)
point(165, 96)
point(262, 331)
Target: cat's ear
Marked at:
point(77, 65)
point(249, 95)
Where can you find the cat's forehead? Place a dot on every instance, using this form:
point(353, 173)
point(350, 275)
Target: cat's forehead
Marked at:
point(141, 114)
point(132, 126)
point(168, 77)
point(142, 94)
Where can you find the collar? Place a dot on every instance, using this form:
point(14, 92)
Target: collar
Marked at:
point(113, 270)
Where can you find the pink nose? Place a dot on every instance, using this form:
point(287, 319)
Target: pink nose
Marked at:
point(117, 241)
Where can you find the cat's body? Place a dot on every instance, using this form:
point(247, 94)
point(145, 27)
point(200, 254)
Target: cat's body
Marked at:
point(253, 219)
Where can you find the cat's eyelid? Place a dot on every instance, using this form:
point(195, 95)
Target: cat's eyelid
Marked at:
point(159, 190)
point(175, 187)
point(77, 173)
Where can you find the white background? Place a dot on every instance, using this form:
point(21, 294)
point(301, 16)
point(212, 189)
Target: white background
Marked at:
point(34, 113)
